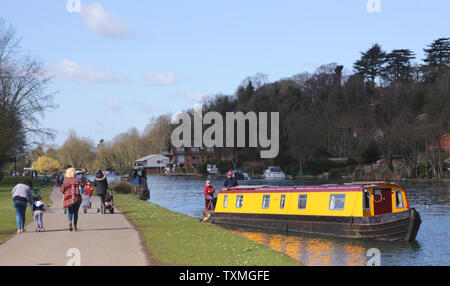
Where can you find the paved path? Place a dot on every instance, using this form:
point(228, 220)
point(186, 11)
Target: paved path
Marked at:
point(102, 239)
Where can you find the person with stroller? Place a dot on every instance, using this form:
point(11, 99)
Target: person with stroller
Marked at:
point(101, 186)
point(38, 209)
point(71, 197)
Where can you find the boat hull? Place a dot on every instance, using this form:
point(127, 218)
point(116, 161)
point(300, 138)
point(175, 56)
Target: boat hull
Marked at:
point(392, 227)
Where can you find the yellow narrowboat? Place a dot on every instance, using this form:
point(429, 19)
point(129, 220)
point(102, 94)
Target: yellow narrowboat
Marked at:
point(367, 210)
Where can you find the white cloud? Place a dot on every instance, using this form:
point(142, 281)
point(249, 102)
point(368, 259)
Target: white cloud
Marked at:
point(157, 78)
point(103, 22)
point(194, 96)
point(113, 105)
point(70, 70)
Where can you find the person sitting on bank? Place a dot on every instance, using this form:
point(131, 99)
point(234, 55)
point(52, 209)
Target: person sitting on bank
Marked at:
point(209, 190)
point(231, 181)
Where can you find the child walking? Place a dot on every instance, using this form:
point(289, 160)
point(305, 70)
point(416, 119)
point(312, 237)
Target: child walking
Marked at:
point(38, 209)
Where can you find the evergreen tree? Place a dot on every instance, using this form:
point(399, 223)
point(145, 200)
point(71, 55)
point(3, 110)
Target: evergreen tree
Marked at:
point(370, 65)
point(398, 66)
point(437, 59)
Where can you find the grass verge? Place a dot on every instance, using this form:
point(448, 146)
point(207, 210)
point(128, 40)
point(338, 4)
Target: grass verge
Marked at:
point(176, 239)
point(8, 225)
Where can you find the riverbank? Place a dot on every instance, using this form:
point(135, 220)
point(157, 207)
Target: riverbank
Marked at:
point(172, 238)
point(8, 225)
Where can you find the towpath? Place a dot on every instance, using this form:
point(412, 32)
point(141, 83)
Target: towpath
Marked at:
point(101, 240)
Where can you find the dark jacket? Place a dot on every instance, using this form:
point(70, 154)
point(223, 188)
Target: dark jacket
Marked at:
point(100, 184)
point(230, 183)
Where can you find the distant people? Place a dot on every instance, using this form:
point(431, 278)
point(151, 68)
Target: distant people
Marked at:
point(231, 181)
point(61, 178)
point(22, 195)
point(209, 191)
point(89, 189)
point(71, 197)
point(38, 209)
point(85, 200)
point(101, 185)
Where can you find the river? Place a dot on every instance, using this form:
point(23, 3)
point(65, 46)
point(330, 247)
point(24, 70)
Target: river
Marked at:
point(184, 194)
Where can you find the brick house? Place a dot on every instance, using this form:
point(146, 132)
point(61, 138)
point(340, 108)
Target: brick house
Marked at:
point(189, 157)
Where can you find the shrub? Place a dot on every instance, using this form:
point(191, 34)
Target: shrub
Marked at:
point(122, 187)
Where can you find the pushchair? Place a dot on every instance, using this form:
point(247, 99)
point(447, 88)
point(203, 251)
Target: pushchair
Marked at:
point(108, 204)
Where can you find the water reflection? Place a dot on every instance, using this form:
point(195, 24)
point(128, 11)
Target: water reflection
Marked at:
point(313, 251)
point(185, 195)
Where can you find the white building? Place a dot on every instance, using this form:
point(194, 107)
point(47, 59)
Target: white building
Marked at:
point(154, 163)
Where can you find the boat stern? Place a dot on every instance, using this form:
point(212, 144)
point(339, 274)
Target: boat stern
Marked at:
point(414, 224)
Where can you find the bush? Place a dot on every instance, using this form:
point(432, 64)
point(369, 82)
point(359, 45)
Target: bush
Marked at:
point(370, 154)
point(334, 174)
point(122, 187)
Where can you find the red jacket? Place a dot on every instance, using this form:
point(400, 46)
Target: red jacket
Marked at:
point(209, 192)
point(89, 189)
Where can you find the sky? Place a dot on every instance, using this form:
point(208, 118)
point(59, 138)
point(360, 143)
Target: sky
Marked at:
point(117, 64)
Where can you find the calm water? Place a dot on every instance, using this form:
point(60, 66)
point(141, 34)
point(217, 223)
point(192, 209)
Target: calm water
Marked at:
point(185, 195)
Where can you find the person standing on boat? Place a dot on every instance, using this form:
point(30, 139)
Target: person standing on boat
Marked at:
point(231, 181)
point(101, 185)
point(209, 191)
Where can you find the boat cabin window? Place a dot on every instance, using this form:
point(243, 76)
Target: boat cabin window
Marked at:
point(337, 201)
point(366, 199)
point(302, 202)
point(399, 199)
point(282, 201)
point(266, 201)
point(225, 201)
point(239, 200)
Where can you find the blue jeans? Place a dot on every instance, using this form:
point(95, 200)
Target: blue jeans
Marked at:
point(72, 212)
point(21, 208)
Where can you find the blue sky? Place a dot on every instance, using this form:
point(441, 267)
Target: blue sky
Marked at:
point(116, 64)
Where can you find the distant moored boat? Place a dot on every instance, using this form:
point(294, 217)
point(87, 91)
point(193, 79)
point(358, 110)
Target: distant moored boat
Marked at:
point(274, 173)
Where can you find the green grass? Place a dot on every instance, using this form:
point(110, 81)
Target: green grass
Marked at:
point(176, 239)
point(8, 225)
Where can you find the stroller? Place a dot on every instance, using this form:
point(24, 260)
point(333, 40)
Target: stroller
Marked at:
point(108, 204)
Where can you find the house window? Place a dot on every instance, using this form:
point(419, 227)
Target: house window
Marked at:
point(337, 202)
point(302, 202)
point(266, 201)
point(366, 199)
point(239, 200)
point(399, 199)
point(282, 201)
point(225, 201)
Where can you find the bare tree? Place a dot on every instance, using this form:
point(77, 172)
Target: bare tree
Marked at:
point(23, 97)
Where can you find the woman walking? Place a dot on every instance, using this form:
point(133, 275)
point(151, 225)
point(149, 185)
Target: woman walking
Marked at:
point(22, 195)
point(101, 185)
point(71, 197)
